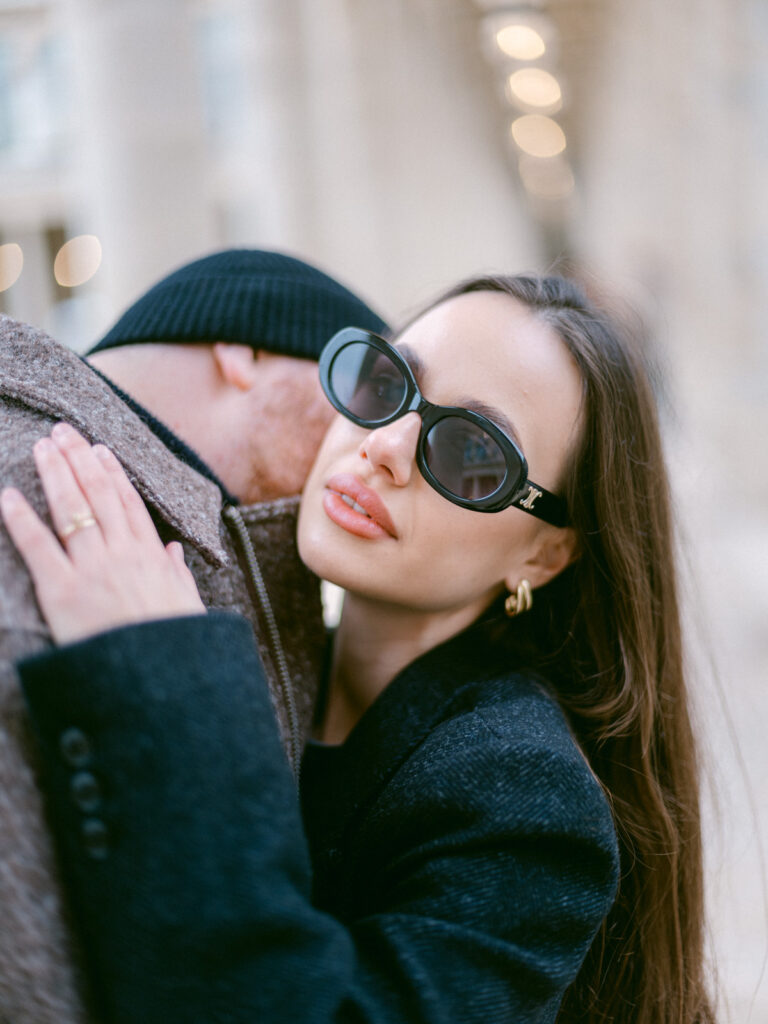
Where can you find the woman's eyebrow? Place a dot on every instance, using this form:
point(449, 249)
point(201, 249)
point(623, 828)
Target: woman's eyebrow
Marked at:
point(494, 415)
point(413, 361)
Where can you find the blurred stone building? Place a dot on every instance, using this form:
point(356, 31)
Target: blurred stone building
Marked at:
point(402, 144)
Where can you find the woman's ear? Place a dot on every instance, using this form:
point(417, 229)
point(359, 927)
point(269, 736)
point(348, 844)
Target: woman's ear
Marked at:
point(236, 364)
point(555, 550)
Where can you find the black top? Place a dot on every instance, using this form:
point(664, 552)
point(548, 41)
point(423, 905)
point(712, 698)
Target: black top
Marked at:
point(455, 859)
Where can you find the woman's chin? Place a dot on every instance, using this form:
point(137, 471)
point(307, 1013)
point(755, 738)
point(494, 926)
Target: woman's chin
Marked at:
point(316, 549)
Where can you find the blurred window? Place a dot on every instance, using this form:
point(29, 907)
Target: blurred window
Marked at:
point(224, 80)
point(6, 131)
point(33, 103)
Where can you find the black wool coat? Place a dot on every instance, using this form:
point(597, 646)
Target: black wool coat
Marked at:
point(451, 861)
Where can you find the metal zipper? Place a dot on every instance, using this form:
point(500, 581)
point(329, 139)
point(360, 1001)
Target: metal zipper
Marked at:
point(232, 515)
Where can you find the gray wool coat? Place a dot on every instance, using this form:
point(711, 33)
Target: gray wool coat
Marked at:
point(244, 559)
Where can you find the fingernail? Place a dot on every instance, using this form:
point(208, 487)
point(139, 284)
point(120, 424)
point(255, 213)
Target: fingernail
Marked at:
point(101, 452)
point(44, 446)
point(63, 432)
point(10, 497)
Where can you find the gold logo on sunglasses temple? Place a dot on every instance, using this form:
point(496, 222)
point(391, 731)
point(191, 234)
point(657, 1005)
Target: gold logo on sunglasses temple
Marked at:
point(533, 494)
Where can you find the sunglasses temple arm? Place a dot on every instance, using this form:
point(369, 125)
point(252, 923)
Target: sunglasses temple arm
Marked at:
point(542, 503)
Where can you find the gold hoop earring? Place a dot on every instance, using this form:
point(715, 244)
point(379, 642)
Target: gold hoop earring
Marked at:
point(520, 601)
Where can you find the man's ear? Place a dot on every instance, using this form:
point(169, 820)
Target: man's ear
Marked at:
point(236, 364)
point(555, 550)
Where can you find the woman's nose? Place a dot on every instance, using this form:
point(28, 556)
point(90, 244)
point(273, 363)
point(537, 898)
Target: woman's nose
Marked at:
point(393, 448)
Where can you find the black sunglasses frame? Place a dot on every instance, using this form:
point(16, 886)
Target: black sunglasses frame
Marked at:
point(516, 489)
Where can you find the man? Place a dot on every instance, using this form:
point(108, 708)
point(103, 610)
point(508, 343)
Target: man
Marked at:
point(207, 392)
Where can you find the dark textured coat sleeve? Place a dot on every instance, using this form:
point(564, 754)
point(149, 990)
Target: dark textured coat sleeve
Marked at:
point(180, 832)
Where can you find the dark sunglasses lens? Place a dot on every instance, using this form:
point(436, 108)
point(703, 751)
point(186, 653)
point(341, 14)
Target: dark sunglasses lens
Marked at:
point(464, 459)
point(366, 382)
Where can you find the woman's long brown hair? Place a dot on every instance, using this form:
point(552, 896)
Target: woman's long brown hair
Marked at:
point(607, 633)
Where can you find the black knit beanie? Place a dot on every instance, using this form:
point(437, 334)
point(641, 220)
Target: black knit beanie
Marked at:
point(265, 299)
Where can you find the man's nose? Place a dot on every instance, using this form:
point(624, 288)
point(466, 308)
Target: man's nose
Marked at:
point(392, 448)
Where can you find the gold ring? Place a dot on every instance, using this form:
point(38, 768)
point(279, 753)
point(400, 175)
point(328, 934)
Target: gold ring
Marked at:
point(78, 521)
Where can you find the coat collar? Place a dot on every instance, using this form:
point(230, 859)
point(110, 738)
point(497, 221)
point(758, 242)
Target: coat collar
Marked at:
point(338, 781)
point(40, 373)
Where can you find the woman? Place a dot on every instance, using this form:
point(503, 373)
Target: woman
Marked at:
point(500, 816)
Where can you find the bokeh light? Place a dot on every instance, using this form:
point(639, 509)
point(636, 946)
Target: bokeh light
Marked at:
point(521, 42)
point(547, 178)
point(538, 135)
point(11, 264)
point(535, 87)
point(77, 261)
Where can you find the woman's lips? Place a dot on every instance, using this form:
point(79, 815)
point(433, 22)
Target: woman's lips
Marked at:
point(369, 519)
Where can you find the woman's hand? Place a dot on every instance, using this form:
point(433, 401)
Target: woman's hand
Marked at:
point(109, 567)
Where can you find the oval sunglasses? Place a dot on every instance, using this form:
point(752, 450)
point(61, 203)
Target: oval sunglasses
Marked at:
point(462, 454)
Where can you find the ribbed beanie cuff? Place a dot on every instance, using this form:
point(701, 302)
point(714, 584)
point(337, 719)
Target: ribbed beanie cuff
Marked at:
point(264, 299)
